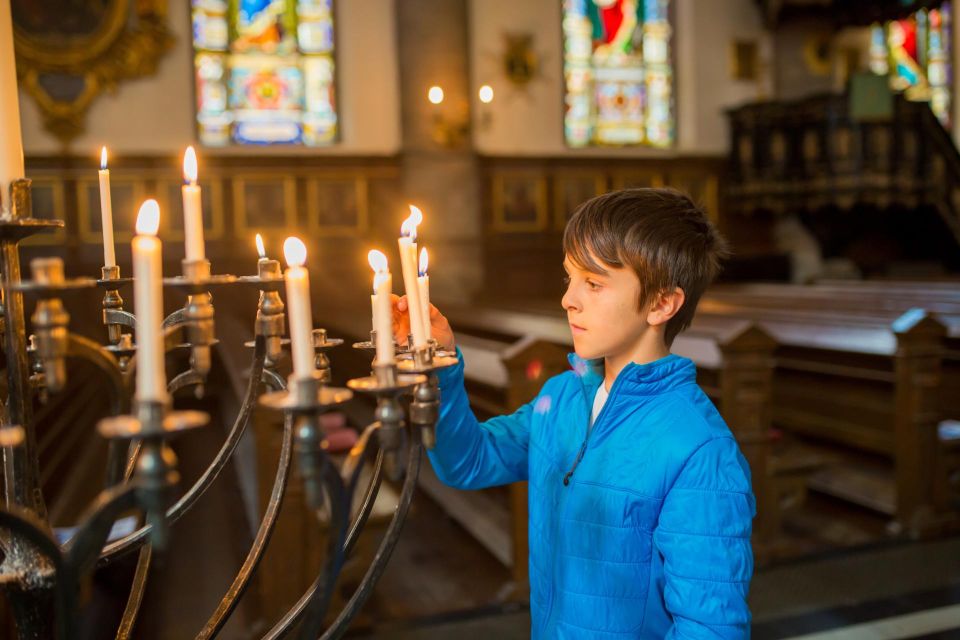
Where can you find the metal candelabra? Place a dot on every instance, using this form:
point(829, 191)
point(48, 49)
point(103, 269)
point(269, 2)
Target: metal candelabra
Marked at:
point(42, 577)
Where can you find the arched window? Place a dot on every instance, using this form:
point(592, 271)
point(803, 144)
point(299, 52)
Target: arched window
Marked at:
point(264, 71)
point(618, 73)
point(916, 53)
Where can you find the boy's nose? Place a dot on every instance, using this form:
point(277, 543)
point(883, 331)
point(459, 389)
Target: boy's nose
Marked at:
point(569, 302)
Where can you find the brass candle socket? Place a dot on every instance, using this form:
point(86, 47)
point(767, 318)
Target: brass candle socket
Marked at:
point(270, 322)
point(425, 409)
point(198, 316)
point(50, 322)
point(111, 302)
point(322, 344)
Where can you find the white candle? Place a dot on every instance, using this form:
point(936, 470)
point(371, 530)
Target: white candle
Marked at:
point(423, 289)
point(192, 209)
point(11, 145)
point(382, 306)
point(408, 264)
point(148, 305)
point(106, 212)
point(298, 308)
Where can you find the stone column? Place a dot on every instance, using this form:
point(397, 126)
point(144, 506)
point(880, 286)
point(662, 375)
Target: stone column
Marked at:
point(441, 177)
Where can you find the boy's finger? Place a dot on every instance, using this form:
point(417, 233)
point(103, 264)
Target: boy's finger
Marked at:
point(402, 303)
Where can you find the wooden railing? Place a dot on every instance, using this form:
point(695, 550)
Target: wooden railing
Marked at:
point(811, 153)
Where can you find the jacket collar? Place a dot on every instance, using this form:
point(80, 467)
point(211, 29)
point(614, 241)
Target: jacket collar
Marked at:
point(647, 379)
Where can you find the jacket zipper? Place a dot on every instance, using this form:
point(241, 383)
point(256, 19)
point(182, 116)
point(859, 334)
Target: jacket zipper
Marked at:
point(590, 428)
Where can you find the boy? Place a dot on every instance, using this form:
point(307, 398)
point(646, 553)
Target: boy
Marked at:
point(640, 500)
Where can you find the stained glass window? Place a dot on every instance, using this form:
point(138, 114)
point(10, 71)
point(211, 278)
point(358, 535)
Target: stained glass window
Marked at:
point(265, 71)
point(618, 73)
point(916, 53)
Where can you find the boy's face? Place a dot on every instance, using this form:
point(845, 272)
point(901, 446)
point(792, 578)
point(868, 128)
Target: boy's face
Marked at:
point(602, 311)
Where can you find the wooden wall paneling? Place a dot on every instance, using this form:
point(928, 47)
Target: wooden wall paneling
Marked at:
point(49, 203)
point(519, 199)
point(571, 188)
point(264, 202)
point(338, 205)
point(127, 192)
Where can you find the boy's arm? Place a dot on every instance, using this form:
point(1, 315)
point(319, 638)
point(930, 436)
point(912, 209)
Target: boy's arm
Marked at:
point(704, 538)
point(471, 455)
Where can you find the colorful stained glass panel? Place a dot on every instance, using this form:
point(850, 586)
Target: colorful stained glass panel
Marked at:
point(618, 73)
point(265, 71)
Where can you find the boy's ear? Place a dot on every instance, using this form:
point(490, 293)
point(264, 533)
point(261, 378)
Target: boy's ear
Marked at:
point(665, 305)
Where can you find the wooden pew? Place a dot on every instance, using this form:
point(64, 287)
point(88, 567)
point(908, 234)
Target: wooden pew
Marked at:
point(855, 370)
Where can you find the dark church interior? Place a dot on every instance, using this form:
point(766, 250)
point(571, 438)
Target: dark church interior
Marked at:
point(821, 138)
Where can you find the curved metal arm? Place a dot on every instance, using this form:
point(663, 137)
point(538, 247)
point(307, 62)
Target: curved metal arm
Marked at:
point(23, 525)
point(85, 546)
point(135, 539)
point(366, 506)
point(121, 317)
point(86, 349)
point(376, 568)
point(137, 587)
point(273, 380)
point(336, 538)
point(185, 379)
point(240, 582)
point(174, 319)
point(379, 564)
point(313, 604)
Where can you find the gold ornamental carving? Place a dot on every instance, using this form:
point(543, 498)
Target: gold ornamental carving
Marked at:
point(68, 53)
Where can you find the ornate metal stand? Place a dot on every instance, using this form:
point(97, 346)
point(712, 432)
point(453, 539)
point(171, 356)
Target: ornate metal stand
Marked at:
point(41, 577)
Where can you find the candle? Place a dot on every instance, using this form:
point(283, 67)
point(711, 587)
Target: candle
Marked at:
point(106, 212)
point(298, 308)
point(11, 146)
point(423, 289)
point(148, 305)
point(408, 263)
point(382, 306)
point(192, 209)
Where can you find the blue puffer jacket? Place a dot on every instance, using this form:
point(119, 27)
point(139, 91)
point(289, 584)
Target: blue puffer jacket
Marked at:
point(639, 526)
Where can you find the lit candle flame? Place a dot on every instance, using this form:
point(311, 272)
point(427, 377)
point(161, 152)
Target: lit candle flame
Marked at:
point(260, 248)
point(103, 158)
point(424, 261)
point(148, 219)
point(409, 226)
point(294, 251)
point(378, 278)
point(435, 95)
point(190, 166)
point(378, 261)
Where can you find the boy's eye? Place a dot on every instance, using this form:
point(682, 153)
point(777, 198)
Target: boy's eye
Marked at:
point(566, 281)
point(594, 286)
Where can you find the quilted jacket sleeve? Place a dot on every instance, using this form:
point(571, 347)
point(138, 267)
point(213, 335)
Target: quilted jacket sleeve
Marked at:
point(474, 455)
point(704, 538)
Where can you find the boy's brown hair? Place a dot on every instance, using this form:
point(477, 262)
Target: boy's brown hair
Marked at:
point(659, 233)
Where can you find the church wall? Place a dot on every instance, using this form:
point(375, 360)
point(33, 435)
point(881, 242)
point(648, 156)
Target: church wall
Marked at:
point(155, 115)
point(529, 121)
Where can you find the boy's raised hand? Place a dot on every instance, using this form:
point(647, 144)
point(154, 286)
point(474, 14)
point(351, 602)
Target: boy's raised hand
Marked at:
point(439, 327)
